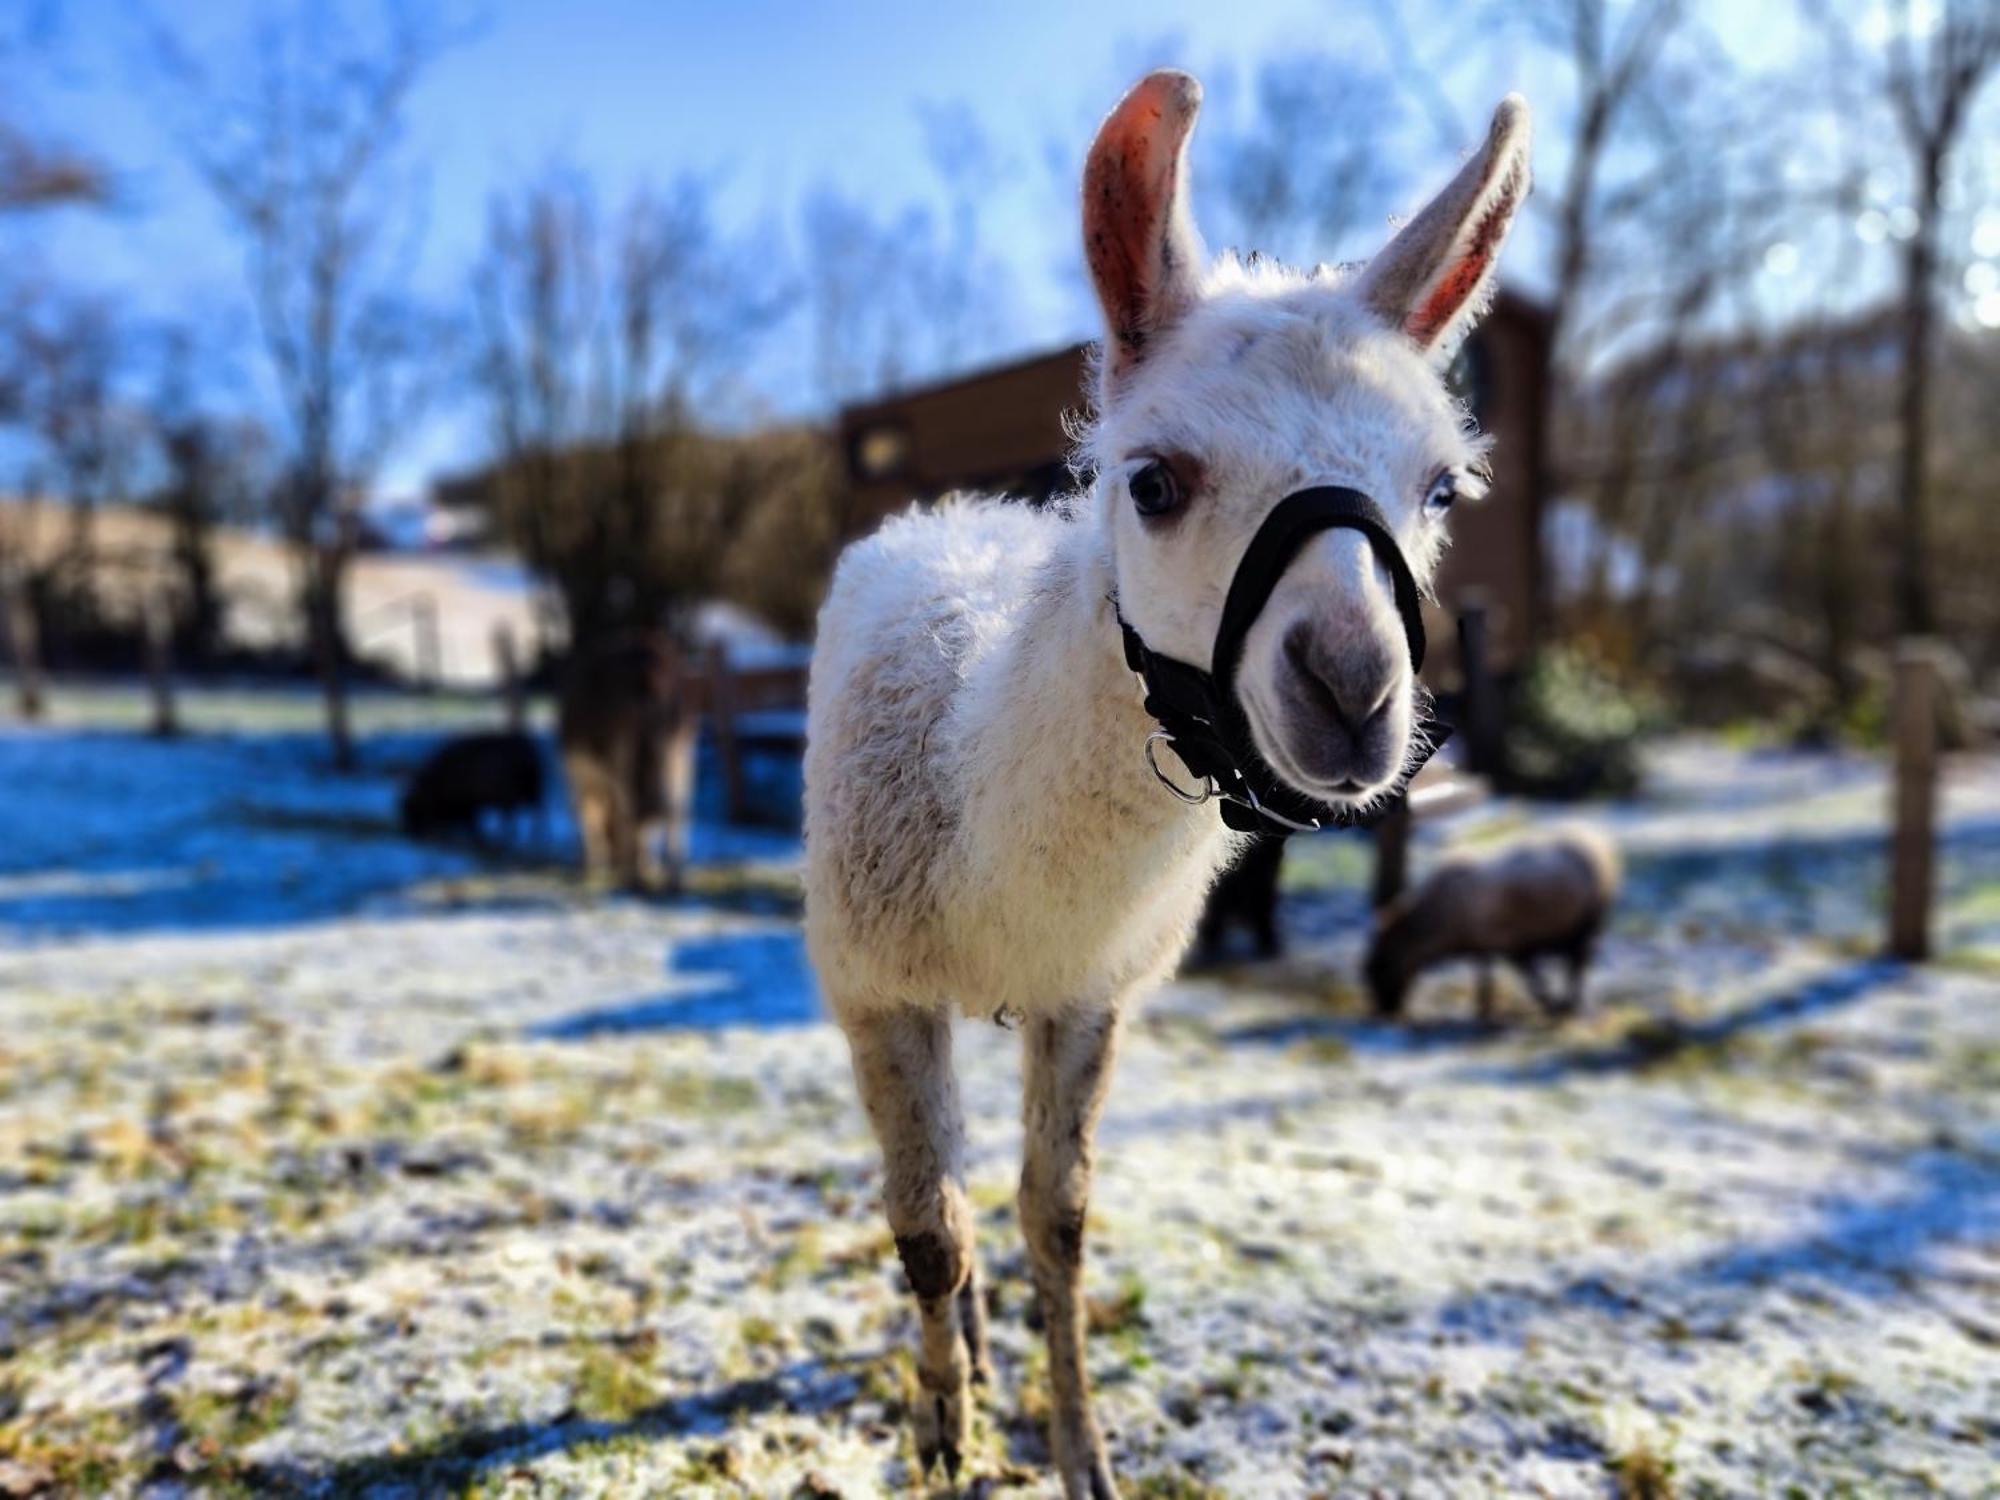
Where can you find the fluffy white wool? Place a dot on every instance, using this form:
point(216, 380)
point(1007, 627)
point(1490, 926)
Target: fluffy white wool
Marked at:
point(981, 825)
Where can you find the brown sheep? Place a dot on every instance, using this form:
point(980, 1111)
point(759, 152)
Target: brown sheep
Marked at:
point(626, 724)
point(1542, 896)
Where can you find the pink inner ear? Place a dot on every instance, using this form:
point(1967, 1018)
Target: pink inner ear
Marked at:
point(1461, 279)
point(1129, 190)
point(1129, 205)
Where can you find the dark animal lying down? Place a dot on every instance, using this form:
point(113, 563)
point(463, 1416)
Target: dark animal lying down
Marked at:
point(466, 777)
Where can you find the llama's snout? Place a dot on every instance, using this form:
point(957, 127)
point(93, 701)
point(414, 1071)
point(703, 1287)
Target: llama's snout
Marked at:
point(1326, 676)
point(1342, 696)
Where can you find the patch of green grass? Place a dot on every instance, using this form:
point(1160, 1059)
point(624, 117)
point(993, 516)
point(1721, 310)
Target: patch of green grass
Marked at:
point(1327, 1050)
point(759, 1332)
point(86, 1456)
point(689, 1092)
point(706, 1466)
point(1640, 1473)
point(234, 1419)
point(1981, 959)
point(613, 1384)
point(1171, 1485)
point(1121, 1311)
point(802, 1257)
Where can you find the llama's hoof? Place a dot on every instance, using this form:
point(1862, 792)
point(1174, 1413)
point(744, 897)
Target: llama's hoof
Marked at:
point(1093, 1484)
point(942, 1422)
point(1086, 1474)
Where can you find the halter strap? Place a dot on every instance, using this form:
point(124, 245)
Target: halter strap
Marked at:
point(1294, 521)
point(1199, 712)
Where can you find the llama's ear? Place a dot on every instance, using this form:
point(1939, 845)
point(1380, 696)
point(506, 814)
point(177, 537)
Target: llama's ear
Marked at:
point(1434, 279)
point(1138, 237)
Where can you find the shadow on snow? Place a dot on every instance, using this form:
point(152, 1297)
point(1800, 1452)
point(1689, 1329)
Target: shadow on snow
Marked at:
point(117, 833)
point(757, 978)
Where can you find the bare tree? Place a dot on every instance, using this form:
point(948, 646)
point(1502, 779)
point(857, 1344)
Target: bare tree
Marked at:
point(911, 291)
point(297, 140)
point(42, 174)
point(1929, 70)
point(964, 290)
point(1611, 50)
point(1313, 163)
point(66, 354)
point(601, 345)
point(213, 471)
point(35, 170)
point(790, 502)
point(864, 315)
point(1636, 253)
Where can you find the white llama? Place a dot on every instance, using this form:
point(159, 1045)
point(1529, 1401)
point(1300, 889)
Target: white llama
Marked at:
point(983, 829)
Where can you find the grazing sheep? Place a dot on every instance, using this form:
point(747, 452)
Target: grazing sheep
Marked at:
point(626, 723)
point(984, 827)
point(1537, 897)
point(464, 778)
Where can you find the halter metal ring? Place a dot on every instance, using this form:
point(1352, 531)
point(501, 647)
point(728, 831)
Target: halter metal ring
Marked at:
point(1208, 790)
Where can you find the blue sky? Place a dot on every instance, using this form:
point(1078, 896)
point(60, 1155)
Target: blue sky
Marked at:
point(772, 96)
point(775, 98)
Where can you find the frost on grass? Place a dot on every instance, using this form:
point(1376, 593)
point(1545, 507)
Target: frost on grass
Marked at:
point(330, 1164)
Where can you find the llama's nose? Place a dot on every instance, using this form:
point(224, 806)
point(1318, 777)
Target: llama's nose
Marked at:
point(1352, 679)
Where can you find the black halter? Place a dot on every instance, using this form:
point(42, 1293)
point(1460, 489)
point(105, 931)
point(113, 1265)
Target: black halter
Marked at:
point(1199, 713)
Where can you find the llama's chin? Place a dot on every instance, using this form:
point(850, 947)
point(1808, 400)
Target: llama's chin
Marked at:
point(1323, 760)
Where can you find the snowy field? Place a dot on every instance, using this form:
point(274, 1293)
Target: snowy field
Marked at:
point(333, 1164)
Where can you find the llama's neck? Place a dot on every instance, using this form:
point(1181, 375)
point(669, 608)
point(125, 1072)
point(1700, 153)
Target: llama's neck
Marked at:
point(1055, 750)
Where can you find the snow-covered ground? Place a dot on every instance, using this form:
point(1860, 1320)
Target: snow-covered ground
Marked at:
point(330, 1163)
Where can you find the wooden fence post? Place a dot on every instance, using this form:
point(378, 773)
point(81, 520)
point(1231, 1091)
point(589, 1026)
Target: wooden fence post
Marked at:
point(328, 645)
point(722, 710)
point(158, 626)
point(24, 645)
point(429, 645)
point(1481, 702)
point(508, 665)
point(1913, 834)
point(1392, 853)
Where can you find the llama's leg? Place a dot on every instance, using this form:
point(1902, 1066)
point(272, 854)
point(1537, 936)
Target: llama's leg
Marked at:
point(902, 1065)
point(1485, 992)
point(622, 813)
point(678, 816)
point(593, 816)
point(972, 1324)
point(1068, 1069)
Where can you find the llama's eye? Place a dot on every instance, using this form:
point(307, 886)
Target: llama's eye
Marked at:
point(1450, 487)
point(1154, 489)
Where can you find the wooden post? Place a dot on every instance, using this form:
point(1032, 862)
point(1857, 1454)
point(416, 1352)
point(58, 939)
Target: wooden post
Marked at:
point(430, 647)
point(327, 644)
point(1392, 853)
point(509, 667)
point(24, 645)
point(1913, 835)
point(1481, 706)
point(159, 667)
point(722, 711)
